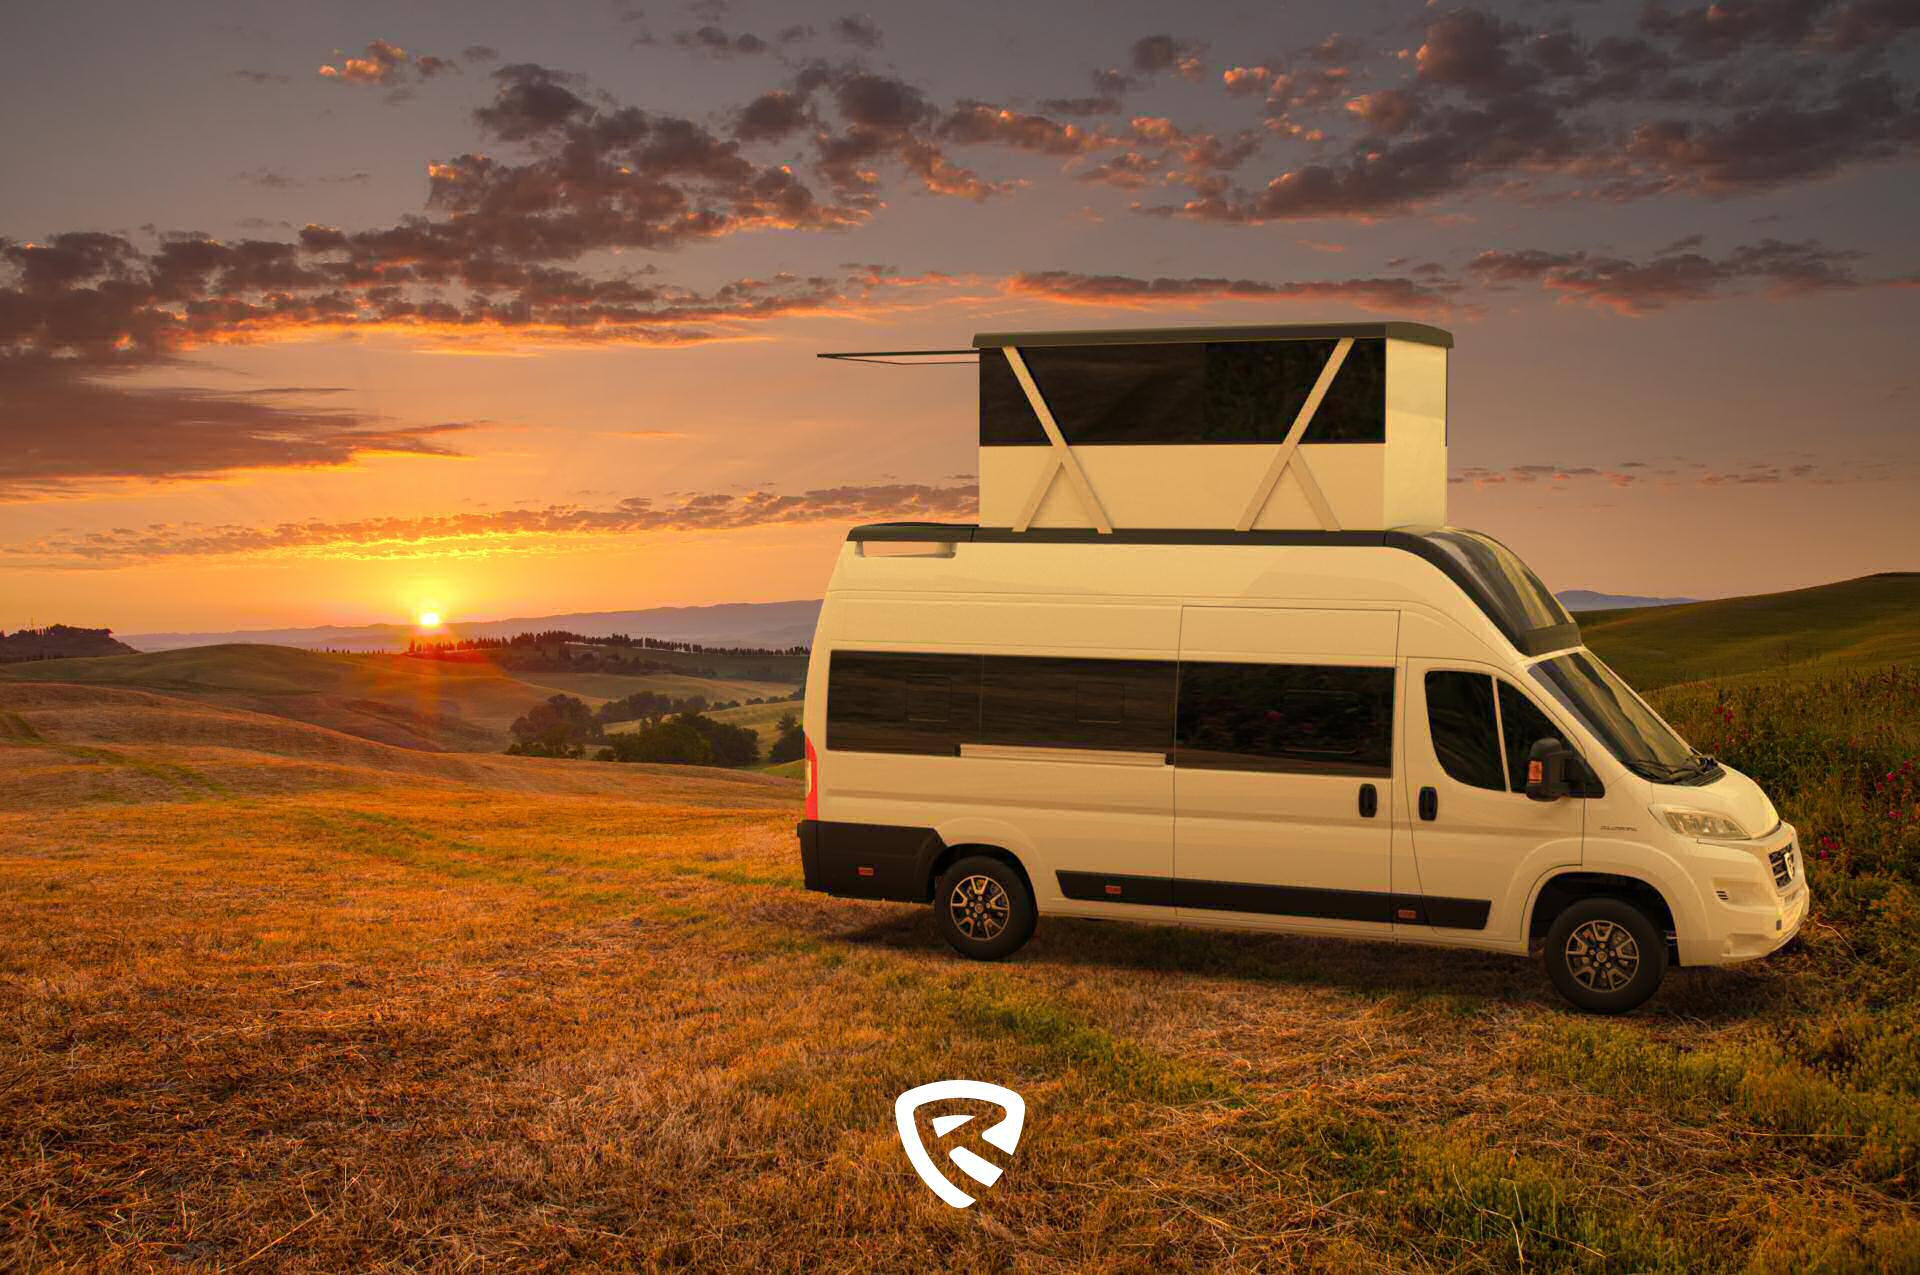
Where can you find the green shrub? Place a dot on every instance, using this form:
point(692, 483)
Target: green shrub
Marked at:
point(673, 742)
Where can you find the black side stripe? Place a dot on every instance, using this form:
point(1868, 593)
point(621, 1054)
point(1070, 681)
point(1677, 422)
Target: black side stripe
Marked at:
point(1107, 887)
point(1277, 900)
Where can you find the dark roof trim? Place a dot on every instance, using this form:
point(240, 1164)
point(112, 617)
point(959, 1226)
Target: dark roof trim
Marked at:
point(1423, 333)
point(1528, 642)
point(912, 358)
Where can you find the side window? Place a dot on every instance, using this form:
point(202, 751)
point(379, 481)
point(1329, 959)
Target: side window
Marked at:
point(1300, 718)
point(1523, 725)
point(899, 702)
point(1040, 701)
point(1460, 718)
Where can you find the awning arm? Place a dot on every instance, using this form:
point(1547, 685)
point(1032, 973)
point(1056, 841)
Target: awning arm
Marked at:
point(906, 358)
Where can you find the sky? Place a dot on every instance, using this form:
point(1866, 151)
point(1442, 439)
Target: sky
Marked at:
point(330, 313)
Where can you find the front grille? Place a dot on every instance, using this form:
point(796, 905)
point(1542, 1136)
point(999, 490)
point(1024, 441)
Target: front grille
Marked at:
point(1782, 861)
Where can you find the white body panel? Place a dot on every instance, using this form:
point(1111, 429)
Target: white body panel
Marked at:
point(1133, 814)
point(1400, 482)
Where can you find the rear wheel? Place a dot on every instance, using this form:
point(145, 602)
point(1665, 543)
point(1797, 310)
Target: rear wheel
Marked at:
point(984, 908)
point(1605, 955)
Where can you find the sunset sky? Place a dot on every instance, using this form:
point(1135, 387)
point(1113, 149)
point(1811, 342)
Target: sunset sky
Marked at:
point(324, 313)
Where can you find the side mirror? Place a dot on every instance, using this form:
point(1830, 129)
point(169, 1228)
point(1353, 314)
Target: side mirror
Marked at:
point(1547, 765)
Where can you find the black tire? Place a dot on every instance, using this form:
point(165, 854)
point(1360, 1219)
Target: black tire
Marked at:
point(1605, 956)
point(983, 907)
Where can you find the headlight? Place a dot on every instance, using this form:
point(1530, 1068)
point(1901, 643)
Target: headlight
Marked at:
point(1704, 823)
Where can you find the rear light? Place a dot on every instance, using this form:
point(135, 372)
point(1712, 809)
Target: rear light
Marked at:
point(813, 782)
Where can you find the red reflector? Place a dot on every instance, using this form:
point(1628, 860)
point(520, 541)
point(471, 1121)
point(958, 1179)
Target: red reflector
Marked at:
point(813, 782)
point(864, 871)
point(1408, 914)
point(1113, 889)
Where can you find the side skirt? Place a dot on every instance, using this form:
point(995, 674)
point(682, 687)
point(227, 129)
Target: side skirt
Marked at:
point(1382, 907)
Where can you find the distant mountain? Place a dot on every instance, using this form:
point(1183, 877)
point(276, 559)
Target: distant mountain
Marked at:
point(59, 642)
point(1588, 600)
point(771, 624)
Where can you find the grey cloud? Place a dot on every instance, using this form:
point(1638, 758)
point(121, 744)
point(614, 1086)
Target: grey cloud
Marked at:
point(509, 529)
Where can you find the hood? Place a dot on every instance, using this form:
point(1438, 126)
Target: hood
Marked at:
point(1733, 795)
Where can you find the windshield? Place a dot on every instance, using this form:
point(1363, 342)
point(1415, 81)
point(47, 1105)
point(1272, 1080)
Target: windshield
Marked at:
point(1618, 717)
point(1512, 595)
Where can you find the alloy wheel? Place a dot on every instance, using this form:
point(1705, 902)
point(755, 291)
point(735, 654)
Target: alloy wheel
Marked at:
point(979, 907)
point(1602, 955)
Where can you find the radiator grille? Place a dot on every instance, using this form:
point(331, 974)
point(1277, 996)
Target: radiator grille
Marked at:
point(1782, 861)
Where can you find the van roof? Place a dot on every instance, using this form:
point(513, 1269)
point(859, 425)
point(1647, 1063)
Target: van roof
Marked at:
point(1509, 594)
point(1423, 333)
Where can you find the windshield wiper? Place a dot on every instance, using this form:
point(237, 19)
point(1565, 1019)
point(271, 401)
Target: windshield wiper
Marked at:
point(1668, 772)
point(1705, 763)
point(1660, 771)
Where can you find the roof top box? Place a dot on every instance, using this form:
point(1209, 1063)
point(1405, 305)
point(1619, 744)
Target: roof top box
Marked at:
point(1287, 426)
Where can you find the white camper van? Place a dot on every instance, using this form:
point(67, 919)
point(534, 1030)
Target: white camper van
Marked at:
point(1382, 733)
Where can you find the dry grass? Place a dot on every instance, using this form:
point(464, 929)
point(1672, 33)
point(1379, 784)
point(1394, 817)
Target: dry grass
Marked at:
point(269, 1006)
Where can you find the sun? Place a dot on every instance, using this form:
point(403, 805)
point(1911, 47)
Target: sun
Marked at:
point(429, 619)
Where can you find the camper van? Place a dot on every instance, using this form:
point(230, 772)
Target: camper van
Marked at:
point(1379, 733)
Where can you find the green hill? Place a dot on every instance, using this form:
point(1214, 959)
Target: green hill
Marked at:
point(450, 705)
point(392, 699)
point(1863, 623)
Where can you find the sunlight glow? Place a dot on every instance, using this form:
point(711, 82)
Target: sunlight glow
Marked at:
point(429, 619)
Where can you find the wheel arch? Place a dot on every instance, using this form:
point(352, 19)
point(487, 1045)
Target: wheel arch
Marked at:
point(1563, 889)
point(952, 854)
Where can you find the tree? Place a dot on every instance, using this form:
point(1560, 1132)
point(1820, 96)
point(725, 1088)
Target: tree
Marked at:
point(672, 742)
point(792, 743)
point(731, 745)
point(560, 724)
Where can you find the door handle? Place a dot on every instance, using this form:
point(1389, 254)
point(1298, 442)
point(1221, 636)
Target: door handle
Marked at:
point(1369, 801)
point(1429, 804)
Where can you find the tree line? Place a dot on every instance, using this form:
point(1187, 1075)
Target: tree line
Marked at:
point(674, 732)
point(561, 637)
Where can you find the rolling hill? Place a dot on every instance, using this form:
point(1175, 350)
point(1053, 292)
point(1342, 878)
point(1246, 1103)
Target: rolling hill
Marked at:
point(764, 624)
point(436, 705)
point(391, 699)
point(1873, 620)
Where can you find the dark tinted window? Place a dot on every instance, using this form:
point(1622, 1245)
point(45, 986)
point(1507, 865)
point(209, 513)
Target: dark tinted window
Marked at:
point(1069, 703)
point(1506, 589)
point(890, 702)
point(1523, 725)
point(1256, 388)
point(1292, 717)
point(1097, 393)
point(1460, 717)
point(1185, 392)
point(1609, 708)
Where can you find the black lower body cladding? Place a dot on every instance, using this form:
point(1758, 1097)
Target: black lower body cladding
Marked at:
point(869, 860)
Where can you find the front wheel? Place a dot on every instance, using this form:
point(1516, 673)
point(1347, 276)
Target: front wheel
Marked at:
point(1605, 956)
point(984, 908)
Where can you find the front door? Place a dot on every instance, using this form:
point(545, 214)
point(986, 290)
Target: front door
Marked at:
point(1479, 842)
point(1283, 768)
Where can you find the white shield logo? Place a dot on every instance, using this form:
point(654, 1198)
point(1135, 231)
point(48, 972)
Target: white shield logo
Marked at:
point(1004, 1135)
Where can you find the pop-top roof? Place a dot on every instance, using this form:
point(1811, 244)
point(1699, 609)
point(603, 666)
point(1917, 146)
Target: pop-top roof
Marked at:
point(1423, 333)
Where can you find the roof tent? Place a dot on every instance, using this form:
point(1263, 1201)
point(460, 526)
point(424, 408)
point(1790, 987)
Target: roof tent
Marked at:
point(1272, 427)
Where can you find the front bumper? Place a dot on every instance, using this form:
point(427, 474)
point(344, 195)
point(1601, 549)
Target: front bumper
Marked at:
point(1755, 921)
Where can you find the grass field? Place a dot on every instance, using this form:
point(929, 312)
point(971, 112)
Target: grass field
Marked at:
point(596, 688)
point(393, 699)
point(1866, 623)
point(762, 719)
point(789, 670)
point(275, 997)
